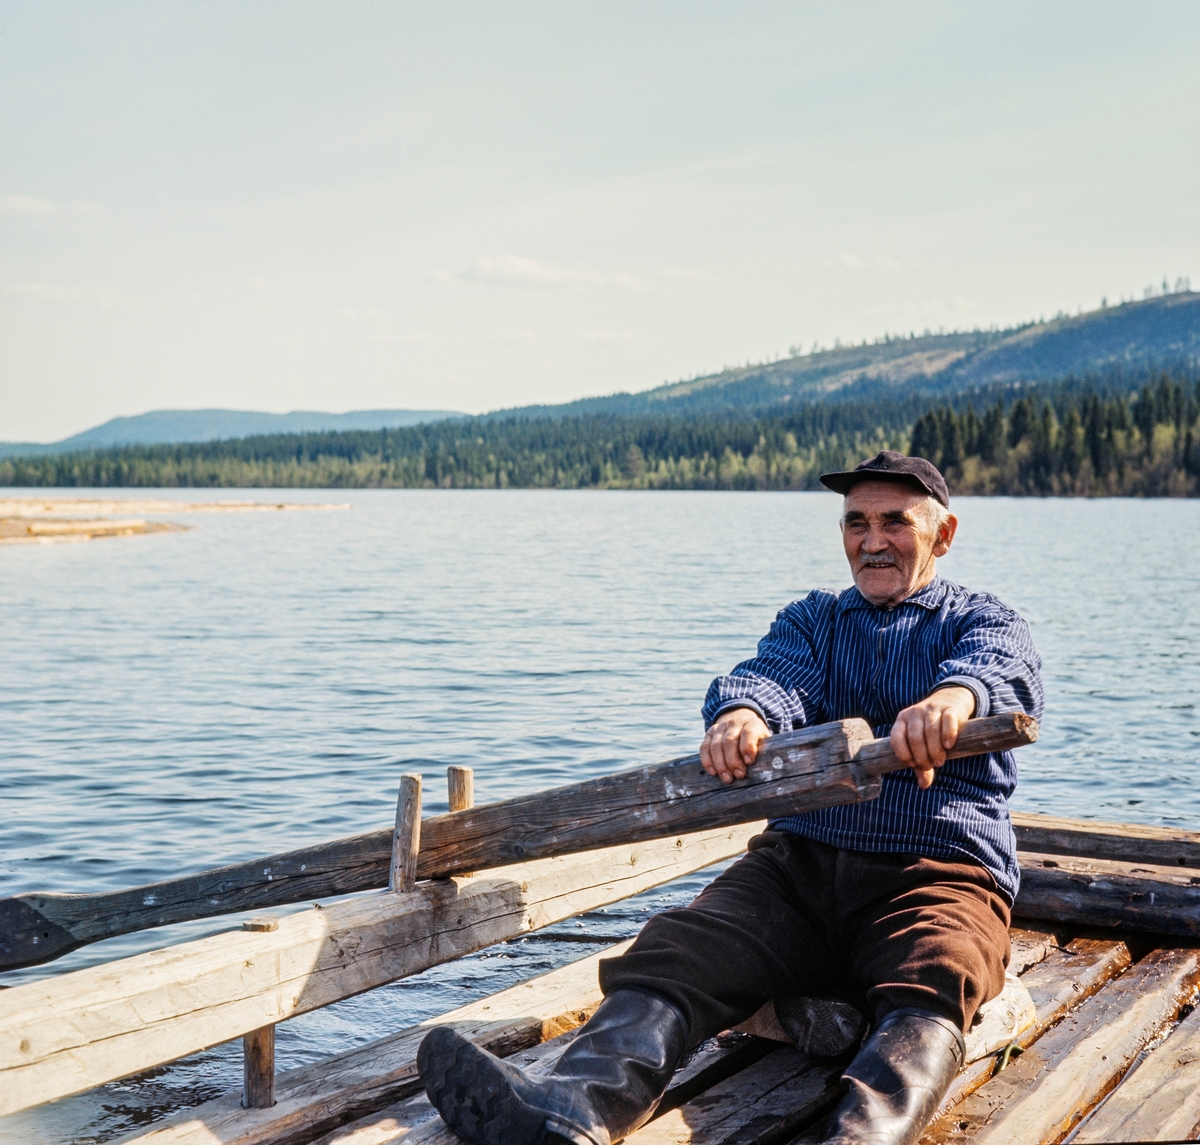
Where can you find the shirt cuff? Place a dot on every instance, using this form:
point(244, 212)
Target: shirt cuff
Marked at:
point(729, 705)
point(983, 702)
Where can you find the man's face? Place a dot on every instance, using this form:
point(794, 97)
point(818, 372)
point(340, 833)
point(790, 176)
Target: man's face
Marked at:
point(890, 541)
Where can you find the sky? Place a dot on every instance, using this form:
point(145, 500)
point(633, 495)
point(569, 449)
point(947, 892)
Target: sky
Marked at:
point(362, 205)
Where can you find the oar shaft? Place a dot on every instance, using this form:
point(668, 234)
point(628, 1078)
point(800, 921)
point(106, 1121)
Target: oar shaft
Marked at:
point(976, 737)
point(822, 766)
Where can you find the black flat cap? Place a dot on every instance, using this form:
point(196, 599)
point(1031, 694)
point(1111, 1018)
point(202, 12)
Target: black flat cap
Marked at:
point(892, 466)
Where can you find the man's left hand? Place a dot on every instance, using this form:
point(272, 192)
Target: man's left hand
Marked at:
point(924, 733)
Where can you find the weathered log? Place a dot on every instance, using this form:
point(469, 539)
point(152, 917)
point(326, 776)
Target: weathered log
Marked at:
point(1063, 980)
point(802, 770)
point(769, 1102)
point(413, 1121)
point(313, 1099)
point(821, 766)
point(1159, 1100)
point(70, 1033)
point(1102, 892)
point(258, 1068)
point(1047, 1091)
point(1122, 842)
point(460, 789)
point(406, 842)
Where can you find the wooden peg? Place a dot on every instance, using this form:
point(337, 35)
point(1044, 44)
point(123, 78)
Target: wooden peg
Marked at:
point(460, 782)
point(258, 1069)
point(406, 841)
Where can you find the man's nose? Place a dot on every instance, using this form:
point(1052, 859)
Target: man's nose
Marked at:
point(875, 541)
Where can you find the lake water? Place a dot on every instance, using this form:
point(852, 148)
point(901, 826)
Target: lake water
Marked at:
point(179, 701)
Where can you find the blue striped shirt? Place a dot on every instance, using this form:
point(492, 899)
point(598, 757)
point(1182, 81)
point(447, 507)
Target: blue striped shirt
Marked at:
point(835, 656)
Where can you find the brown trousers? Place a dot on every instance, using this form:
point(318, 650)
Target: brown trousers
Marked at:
point(795, 916)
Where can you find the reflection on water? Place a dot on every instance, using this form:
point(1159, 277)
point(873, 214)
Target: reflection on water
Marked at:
point(261, 682)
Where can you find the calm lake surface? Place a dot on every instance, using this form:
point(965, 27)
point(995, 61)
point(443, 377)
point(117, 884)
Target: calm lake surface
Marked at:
point(179, 701)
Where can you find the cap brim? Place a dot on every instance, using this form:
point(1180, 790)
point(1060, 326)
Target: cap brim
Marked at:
point(843, 482)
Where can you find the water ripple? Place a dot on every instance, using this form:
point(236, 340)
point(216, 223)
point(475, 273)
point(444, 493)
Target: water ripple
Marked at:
point(261, 682)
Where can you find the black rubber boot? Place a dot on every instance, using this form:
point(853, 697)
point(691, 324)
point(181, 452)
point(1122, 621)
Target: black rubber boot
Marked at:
point(607, 1082)
point(897, 1079)
point(820, 1027)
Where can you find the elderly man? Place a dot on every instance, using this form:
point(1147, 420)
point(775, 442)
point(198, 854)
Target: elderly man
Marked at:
point(898, 906)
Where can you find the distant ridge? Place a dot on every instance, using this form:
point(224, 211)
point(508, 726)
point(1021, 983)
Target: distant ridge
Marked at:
point(1132, 337)
point(160, 427)
point(1122, 341)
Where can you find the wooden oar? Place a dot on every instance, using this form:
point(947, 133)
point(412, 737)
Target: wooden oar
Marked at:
point(821, 766)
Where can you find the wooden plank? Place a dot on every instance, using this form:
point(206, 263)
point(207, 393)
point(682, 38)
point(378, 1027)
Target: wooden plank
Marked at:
point(1159, 1100)
point(460, 787)
point(1045, 1092)
point(70, 1033)
point(460, 791)
point(258, 1068)
point(764, 1103)
point(1124, 842)
point(717, 1059)
point(1103, 892)
point(406, 842)
point(414, 1121)
point(346, 1087)
point(316, 1098)
point(1032, 944)
point(319, 1097)
point(1063, 980)
point(772, 1100)
point(1001, 1021)
point(799, 771)
point(404, 1122)
point(39, 926)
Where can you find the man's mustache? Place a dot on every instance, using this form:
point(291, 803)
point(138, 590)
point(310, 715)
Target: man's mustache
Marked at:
point(880, 562)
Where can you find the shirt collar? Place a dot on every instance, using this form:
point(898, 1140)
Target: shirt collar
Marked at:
point(930, 597)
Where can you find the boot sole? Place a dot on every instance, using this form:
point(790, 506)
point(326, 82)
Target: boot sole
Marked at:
point(473, 1095)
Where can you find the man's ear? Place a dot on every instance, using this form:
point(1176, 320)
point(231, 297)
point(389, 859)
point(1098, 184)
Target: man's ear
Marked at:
point(945, 537)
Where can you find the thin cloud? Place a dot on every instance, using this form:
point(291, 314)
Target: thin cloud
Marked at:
point(46, 293)
point(683, 274)
point(528, 273)
point(852, 261)
point(928, 312)
point(33, 205)
point(25, 205)
point(561, 336)
point(72, 295)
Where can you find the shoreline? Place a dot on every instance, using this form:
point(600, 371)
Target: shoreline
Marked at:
point(49, 520)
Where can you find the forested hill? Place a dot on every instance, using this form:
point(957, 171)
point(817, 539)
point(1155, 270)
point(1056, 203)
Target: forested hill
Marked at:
point(1158, 332)
point(1063, 439)
point(169, 425)
point(1126, 343)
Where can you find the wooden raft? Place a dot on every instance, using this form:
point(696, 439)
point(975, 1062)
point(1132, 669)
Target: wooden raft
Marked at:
point(1111, 1051)
point(1095, 1029)
point(1100, 1002)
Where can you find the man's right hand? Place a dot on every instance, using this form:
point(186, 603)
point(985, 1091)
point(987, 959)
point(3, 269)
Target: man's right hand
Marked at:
point(731, 744)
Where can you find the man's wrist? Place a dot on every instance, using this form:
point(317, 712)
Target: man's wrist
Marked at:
point(733, 705)
point(983, 702)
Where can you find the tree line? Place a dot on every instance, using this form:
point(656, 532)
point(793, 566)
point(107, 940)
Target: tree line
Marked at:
point(1142, 445)
point(1047, 440)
